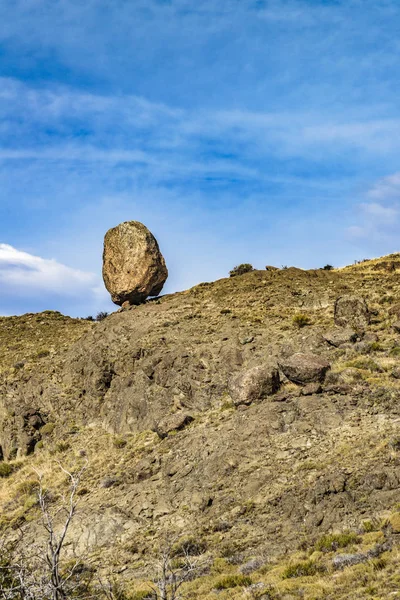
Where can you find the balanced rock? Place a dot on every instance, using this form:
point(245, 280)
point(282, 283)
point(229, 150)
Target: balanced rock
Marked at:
point(304, 368)
point(133, 266)
point(352, 311)
point(254, 384)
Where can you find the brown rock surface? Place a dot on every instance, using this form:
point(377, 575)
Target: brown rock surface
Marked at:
point(254, 384)
point(304, 368)
point(133, 266)
point(352, 311)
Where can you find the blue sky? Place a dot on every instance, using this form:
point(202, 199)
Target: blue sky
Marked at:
point(262, 131)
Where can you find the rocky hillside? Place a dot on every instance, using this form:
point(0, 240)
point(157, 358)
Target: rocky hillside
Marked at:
point(236, 415)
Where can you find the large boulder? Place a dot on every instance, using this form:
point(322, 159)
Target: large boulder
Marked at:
point(133, 266)
point(254, 384)
point(352, 311)
point(304, 368)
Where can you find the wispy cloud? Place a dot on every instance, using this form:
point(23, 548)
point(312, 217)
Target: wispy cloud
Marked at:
point(386, 188)
point(30, 277)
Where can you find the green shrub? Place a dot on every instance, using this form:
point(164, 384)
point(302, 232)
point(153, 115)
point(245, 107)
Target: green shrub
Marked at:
point(119, 442)
point(5, 469)
point(27, 487)
point(232, 581)
point(62, 446)
point(333, 541)
point(47, 429)
point(241, 269)
point(328, 268)
point(306, 568)
point(300, 320)
point(376, 347)
point(364, 363)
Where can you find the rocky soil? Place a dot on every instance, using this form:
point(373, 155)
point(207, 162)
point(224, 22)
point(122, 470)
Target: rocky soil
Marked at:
point(255, 415)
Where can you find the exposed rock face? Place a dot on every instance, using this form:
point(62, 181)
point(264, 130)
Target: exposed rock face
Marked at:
point(254, 384)
point(338, 337)
point(352, 311)
point(304, 368)
point(133, 266)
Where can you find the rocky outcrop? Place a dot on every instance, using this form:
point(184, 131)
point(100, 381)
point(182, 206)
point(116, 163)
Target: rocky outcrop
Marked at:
point(133, 266)
point(254, 384)
point(304, 368)
point(352, 311)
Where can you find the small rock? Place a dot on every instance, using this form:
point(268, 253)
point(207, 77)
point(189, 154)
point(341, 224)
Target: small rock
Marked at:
point(353, 311)
point(396, 372)
point(338, 388)
point(337, 337)
point(304, 368)
point(247, 340)
point(311, 388)
point(254, 384)
point(108, 482)
point(173, 423)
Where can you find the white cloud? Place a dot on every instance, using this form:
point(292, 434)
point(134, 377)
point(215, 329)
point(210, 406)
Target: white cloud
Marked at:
point(379, 211)
point(387, 187)
point(27, 275)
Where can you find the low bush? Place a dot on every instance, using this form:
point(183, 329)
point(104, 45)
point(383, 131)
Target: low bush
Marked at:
point(119, 442)
point(306, 568)
point(300, 320)
point(101, 316)
point(333, 541)
point(232, 581)
point(328, 268)
point(241, 270)
point(5, 469)
point(366, 364)
point(47, 429)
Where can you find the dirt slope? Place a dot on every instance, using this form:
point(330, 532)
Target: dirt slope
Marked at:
point(146, 398)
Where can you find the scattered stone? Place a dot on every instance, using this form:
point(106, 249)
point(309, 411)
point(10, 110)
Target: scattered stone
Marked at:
point(338, 337)
point(247, 340)
point(304, 368)
point(133, 266)
point(347, 560)
point(251, 566)
point(311, 388)
point(396, 372)
point(341, 389)
point(173, 423)
point(109, 482)
point(353, 311)
point(254, 384)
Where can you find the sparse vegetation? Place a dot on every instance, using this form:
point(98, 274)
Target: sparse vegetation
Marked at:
point(306, 568)
point(5, 469)
point(101, 316)
point(232, 581)
point(241, 270)
point(301, 320)
point(334, 541)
